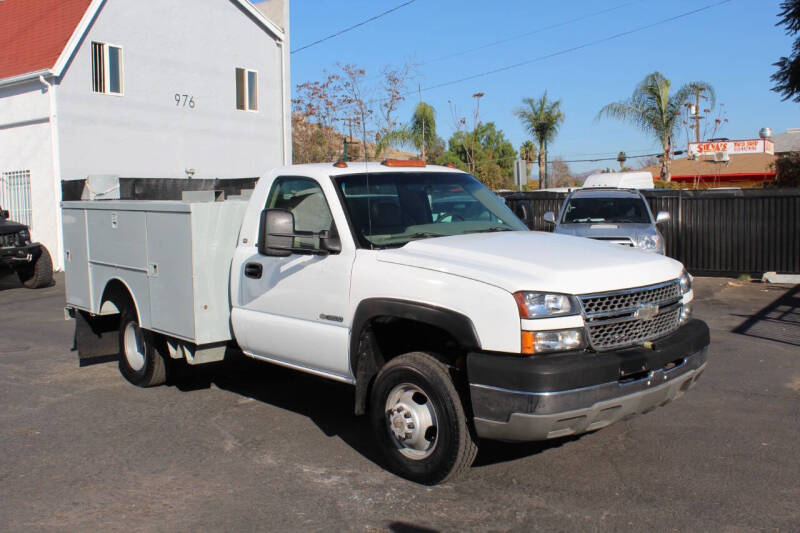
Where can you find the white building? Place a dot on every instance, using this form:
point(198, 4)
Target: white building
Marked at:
point(133, 88)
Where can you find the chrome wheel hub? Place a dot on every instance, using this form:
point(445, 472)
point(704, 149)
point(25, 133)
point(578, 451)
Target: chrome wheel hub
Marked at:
point(133, 347)
point(411, 421)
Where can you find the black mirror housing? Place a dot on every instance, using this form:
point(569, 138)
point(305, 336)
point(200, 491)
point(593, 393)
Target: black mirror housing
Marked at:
point(331, 243)
point(4, 213)
point(275, 233)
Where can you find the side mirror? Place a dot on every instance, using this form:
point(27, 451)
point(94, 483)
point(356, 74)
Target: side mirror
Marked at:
point(330, 242)
point(549, 217)
point(662, 216)
point(276, 233)
point(4, 213)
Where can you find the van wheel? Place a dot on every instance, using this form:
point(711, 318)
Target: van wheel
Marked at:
point(39, 274)
point(419, 420)
point(139, 361)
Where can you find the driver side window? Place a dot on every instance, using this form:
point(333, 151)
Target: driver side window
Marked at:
point(306, 201)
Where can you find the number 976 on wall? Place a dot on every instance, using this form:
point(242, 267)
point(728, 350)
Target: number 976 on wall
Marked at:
point(184, 100)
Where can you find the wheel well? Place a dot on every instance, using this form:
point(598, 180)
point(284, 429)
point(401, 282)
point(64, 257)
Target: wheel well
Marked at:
point(385, 337)
point(396, 336)
point(117, 293)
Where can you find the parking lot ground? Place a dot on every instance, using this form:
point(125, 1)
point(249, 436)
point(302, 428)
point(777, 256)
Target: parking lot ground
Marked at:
point(244, 446)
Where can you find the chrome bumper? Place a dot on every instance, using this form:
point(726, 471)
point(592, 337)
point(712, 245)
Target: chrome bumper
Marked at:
point(571, 412)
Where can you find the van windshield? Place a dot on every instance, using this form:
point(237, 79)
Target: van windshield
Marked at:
point(389, 209)
point(611, 210)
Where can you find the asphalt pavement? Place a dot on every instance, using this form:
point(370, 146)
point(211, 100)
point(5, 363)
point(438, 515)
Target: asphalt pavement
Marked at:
point(246, 446)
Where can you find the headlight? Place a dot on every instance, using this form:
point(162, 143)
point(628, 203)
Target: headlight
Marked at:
point(649, 242)
point(541, 305)
point(535, 342)
point(686, 282)
point(24, 236)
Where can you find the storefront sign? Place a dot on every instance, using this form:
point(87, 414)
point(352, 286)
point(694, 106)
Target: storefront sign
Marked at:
point(751, 146)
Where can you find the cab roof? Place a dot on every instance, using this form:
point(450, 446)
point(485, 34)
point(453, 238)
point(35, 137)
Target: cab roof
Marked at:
point(598, 192)
point(358, 167)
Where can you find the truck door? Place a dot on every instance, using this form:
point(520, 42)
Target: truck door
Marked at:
point(292, 309)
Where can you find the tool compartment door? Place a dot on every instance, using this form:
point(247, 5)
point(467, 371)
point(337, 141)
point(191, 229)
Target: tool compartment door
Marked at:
point(169, 272)
point(76, 258)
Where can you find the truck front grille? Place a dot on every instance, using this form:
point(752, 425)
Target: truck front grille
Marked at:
point(625, 318)
point(8, 240)
point(624, 241)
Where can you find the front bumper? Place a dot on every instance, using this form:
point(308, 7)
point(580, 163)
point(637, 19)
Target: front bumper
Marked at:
point(20, 254)
point(542, 397)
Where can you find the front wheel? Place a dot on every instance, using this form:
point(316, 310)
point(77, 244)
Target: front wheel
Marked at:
point(39, 274)
point(139, 361)
point(419, 420)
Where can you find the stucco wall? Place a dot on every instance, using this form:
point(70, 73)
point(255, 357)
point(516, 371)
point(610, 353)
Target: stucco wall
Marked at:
point(25, 145)
point(186, 47)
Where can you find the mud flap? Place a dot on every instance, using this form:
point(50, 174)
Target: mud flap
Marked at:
point(96, 338)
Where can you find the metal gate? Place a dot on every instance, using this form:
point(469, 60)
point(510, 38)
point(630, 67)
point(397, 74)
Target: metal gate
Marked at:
point(15, 195)
point(713, 233)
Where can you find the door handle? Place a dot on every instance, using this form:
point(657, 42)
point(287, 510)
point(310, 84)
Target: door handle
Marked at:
point(253, 270)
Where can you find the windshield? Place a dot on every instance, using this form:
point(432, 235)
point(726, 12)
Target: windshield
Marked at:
point(391, 209)
point(590, 210)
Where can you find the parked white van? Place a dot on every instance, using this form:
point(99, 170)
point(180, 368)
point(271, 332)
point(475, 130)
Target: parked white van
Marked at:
point(621, 180)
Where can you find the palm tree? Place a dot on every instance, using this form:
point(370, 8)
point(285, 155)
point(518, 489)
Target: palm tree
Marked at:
point(419, 133)
point(652, 109)
point(527, 152)
point(542, 118)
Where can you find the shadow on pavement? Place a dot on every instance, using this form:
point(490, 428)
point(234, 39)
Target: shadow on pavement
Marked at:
point(327, 403)
point(779, 321)
point(9, 280)
point(403, 527)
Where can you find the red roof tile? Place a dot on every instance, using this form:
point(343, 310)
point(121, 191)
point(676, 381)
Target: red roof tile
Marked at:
point(34, 32)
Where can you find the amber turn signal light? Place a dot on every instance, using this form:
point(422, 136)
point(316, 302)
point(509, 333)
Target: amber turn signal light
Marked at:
point(527, 338)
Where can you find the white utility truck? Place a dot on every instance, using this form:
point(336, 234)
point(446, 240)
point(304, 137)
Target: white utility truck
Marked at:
point(414, 283)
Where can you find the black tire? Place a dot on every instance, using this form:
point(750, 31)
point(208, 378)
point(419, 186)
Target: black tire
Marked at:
point(40, 274)
point(451, 448)
point(139, 360)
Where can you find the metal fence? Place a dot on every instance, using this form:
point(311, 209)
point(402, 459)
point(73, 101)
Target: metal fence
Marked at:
point(713, 233)
point(15, 195)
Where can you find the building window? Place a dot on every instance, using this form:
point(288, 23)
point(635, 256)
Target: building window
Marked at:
point(106, 68)
point(246, 89)
point(15, 195)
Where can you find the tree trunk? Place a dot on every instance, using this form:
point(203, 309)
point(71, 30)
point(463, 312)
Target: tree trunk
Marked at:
point(666, 173)
point(541, 159)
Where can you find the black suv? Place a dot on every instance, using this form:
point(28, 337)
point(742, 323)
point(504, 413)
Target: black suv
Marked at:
point(30, 260)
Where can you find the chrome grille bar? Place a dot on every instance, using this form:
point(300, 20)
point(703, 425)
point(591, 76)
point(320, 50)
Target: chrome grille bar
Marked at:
point(612, 318)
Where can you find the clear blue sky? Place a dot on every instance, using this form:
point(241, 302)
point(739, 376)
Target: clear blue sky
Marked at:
point(731, 47)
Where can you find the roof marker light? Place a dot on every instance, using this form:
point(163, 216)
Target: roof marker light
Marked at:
point(403, 163)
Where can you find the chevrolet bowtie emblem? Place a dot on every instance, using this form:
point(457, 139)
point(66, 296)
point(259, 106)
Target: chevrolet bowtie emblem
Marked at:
point(646, 312)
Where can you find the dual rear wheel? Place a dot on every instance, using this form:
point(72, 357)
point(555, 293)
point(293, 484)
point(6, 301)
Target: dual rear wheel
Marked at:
point(140, 362)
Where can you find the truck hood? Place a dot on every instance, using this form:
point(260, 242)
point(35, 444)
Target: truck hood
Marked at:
point(8, 226)
point(536, 261)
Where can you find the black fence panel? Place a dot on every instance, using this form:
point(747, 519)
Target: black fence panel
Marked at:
point(713, 233)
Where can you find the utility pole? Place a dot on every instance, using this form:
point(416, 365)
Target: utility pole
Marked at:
point(546, 179)
point(424, 156)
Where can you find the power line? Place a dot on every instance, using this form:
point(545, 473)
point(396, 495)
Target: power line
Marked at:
point(575, 48)
point(558, 53)
point(527, 34)
point(354, 26)
point(597, 160)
